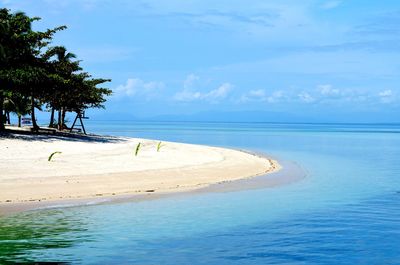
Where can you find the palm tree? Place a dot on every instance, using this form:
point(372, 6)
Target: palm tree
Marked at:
point(64, 67)
point(17, 104)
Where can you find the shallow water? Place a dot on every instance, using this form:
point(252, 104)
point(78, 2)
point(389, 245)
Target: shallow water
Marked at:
point(345, 211)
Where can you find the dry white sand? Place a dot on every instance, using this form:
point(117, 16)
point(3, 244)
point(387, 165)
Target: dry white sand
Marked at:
point(107, 166)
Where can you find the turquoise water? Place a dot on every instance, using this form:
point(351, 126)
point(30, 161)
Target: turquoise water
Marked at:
point(346, 211)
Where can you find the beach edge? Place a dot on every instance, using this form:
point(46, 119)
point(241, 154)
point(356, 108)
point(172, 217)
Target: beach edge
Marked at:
point(273, 166)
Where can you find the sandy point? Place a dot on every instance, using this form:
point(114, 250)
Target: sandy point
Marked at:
point(99, 166)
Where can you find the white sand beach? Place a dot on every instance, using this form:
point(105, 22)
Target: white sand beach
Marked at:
point(107, 166)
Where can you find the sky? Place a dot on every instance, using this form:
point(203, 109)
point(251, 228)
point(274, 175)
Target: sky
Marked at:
point(302, 60)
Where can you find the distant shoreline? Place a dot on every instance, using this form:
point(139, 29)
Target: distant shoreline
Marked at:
point(102, 167)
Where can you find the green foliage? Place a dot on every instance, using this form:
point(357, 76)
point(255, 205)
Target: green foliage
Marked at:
point(159, 145)
point(52, 154)
point(33, 74)
point(137, 149)
point(17, 103)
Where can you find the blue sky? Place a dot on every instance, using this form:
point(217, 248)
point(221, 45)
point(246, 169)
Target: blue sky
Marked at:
point(325, 60)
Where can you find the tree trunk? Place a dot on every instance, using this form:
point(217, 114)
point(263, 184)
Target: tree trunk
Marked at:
point(2, 127)
point(33, 116)
point(64, 112)
point(8, 117)
point(59, 120)
point(51, 124)
point(19, 120)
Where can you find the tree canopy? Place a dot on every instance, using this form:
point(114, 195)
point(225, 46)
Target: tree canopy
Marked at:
point(33, 74)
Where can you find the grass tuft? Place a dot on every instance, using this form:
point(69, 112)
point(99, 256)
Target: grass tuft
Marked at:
point(159, 146)
point(52, 154)
point(137, 149)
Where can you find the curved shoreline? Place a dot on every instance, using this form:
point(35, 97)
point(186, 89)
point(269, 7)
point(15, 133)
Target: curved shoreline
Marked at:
point(178, 168)
point(289, 173)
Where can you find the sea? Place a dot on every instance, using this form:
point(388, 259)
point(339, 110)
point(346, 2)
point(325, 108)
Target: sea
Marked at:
point(345, 210)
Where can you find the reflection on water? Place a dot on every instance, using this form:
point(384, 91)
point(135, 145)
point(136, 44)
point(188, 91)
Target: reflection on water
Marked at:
point(27, 233)
point(345, 211)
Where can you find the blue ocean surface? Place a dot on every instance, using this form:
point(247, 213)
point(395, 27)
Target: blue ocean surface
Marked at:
point(345, 211)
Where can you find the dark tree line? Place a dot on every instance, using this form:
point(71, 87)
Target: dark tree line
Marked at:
point(34, 75)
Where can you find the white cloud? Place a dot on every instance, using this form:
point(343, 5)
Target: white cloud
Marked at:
point(275, 96)
point(135, 87)
point(306, 97)
point(189, 81)
point(386, 93)
point(190, 93)
point(321, 94)
point(187, 95)
point(219, 93)
point(327, 90)
point(261, 95)
point(386, 96)
point(258, 93)
point(212, 96)
point(260, 20)
point(254, 95)
point(328, 94)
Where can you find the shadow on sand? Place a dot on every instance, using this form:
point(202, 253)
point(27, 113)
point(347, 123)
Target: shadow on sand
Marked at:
point(64, 136)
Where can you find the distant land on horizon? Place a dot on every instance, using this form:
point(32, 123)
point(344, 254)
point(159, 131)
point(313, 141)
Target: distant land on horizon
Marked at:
point(252, 116)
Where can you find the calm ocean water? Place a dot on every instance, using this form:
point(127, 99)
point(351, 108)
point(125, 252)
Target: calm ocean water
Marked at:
point(346, 211)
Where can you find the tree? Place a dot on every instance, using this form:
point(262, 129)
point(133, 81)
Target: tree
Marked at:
point(4, 30)
point(18, 104)
point(23, 68)
point(85, 94)
point(31, 78)
point(64, 68)
point(75, 90)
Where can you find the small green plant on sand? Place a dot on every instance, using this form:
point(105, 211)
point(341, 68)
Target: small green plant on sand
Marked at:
point(137, 149)
point(160, 144)
point(52, 154)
